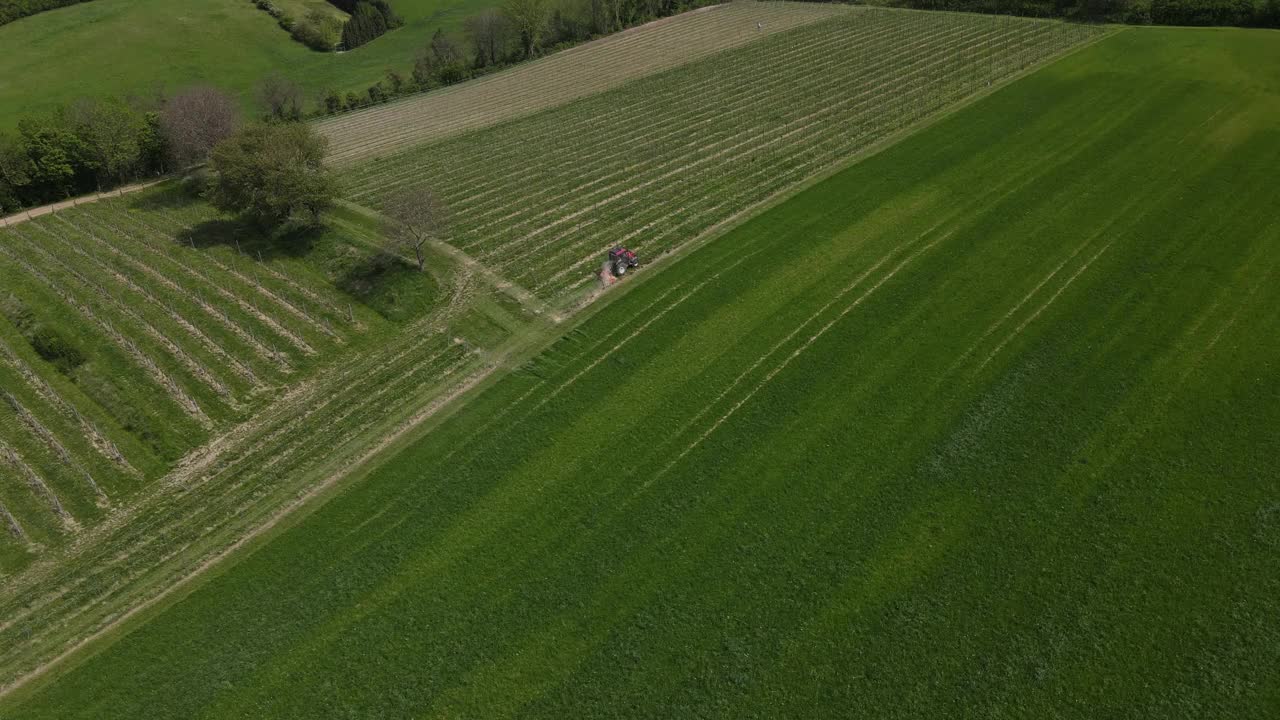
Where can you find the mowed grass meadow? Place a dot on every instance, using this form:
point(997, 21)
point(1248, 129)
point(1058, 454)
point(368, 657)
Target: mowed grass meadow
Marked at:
point(983, 425)
point(117, 48)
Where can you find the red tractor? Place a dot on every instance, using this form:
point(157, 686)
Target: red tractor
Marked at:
point(621, 260)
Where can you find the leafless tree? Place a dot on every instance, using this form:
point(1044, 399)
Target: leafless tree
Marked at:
point(445, 50)
point(280, 97)
point(195, 120)
point(417, 216)
point(490, 34)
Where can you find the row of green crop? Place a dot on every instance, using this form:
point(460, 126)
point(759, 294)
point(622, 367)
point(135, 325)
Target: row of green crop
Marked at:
point(695, 140)
point(300, 317)
point(249, 486)
point(753, 93)
point(773, 172)
point(326, 427)
point(770, 167)
point(117, 372)
point(551, 176)
point(293, 286)
point(224, 339)
point(277, 270)
point(270, 337)
point(812, 126)
point(134, 326)
point(126, 299)
point(571, 145)
point(811, 50)
point(55, 478)
point(165, 342)
point(559, 78)
point(564, 140)
point(842, 85)
point(723, 142)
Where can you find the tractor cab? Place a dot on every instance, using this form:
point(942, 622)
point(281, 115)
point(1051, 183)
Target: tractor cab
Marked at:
point(621, 260)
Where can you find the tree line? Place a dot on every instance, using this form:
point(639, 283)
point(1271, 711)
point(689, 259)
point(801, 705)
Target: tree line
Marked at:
point(369, 21)
point(324, 31)
point(496, 38)
point(11, 10)
point(98, 144)
point(1242, 13)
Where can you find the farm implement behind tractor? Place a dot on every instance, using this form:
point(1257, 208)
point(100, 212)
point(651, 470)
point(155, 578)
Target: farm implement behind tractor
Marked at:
point(621, 260)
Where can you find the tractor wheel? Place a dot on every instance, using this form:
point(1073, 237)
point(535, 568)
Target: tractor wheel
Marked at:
point(620, 269)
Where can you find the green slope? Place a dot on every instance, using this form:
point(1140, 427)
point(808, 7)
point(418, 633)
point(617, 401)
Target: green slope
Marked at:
point(122, 47)
point(983, 425)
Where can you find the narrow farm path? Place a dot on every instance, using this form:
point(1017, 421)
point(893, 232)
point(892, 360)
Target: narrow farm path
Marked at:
point(522, 295)
point(35, 212)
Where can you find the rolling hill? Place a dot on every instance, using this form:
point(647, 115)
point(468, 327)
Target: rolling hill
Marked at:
point(124, 47)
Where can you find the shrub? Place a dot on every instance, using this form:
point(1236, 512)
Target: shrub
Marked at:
point(319, 31)
point(55, 348)
point(11, 10)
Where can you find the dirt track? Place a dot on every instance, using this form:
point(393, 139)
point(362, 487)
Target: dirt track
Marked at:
point(35, 212)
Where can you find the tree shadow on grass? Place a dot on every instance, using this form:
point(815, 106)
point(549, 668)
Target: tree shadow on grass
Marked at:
point(249, 239)
point(387, 283)
point(169, 196)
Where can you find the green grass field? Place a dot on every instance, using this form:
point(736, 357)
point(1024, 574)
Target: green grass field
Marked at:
point(981, 426)
point(123, 47)
point(186, 327)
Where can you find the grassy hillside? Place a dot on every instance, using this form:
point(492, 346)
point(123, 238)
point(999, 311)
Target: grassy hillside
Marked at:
point(984, 422)
point(118, 47)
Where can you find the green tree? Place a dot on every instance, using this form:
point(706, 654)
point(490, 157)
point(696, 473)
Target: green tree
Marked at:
point(395, 82)
point(1269, 14)
point(319, 30)
point(273, 175)
point(112, 135)
point(54, 151)
point(152, 145)
point(366, 23)
point(529, 20)
point(15, 174)
point(332, 102)
point(447, 60)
